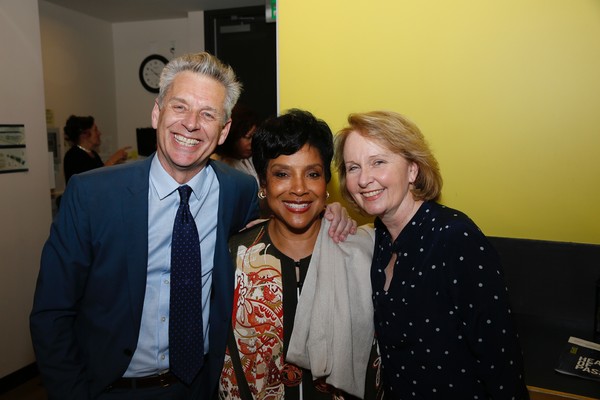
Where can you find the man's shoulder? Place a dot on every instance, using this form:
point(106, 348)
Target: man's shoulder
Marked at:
point(237, 193)
point(132, 174)
point(120, 170)
point(232, 180)
point(223, 170)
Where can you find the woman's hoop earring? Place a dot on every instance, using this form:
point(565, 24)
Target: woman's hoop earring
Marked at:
point(326, 195)
point(261, 194)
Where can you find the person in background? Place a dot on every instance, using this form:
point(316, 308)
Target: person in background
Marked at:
point(104, 305)
point(84, 135)
point(442, 315)
point(301, 303)
point(236, 151)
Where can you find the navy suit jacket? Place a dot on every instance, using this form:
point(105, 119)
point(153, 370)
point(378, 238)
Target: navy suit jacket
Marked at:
point(90, 290)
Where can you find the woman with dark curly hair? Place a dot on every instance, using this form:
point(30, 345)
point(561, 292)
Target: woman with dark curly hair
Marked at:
point(302, 325)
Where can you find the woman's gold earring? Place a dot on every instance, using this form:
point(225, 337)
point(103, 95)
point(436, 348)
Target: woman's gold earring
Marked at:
point(261, 194)
point(326, 195)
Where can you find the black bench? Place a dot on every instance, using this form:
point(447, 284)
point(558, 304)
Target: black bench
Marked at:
point(552, 288)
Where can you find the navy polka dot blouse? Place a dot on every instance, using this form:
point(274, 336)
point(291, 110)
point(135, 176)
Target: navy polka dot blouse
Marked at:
point(444, 325)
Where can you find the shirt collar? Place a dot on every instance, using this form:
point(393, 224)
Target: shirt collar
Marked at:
point(165, 184)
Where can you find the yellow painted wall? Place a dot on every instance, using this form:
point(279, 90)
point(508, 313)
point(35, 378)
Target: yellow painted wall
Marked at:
point(507, 93)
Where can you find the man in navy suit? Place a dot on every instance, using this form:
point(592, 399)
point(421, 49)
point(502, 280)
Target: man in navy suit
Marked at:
point(99, 322)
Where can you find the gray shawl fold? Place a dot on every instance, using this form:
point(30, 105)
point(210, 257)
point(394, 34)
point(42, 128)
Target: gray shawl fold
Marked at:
point(333, 328)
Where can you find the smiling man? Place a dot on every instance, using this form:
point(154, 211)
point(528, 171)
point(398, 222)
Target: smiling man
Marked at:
point(100, 320)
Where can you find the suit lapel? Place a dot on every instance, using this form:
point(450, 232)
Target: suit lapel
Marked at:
point(135, 217)
point(222, 270)
point(225, 213)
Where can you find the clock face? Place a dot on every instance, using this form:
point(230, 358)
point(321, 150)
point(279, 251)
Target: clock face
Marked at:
point(150, 70)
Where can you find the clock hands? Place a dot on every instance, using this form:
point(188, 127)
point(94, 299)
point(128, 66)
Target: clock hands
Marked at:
point(150, 70)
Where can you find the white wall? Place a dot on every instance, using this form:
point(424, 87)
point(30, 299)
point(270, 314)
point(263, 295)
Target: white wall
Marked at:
point(79, 71)
point(134, 41)
point(25, 211)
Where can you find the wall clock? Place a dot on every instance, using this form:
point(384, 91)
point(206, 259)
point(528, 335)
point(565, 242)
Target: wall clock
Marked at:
point(150, 70)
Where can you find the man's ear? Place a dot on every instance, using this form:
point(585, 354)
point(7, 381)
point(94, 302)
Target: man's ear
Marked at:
point(155, 115)
point(224, 132)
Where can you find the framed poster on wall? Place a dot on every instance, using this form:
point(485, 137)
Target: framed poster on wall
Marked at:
point(12, 149)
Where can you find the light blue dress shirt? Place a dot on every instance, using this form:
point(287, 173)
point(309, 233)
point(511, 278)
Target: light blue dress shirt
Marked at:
point(152, 353)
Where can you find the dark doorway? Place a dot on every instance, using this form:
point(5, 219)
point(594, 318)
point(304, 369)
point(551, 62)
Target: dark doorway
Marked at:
point(242, 38)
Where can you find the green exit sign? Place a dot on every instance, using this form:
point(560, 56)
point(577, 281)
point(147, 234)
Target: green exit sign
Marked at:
point(271, 10)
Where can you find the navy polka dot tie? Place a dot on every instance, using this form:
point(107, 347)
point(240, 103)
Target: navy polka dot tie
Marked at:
point(186, 344)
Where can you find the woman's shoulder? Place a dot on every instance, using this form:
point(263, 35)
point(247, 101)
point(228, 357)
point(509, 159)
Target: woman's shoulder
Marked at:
point(436, 212)
point(353, 248)
point(364, 236)
point(74, 152)
point(444, 222)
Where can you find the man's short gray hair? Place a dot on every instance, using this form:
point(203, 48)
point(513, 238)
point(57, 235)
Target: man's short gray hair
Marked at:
point(204, 64)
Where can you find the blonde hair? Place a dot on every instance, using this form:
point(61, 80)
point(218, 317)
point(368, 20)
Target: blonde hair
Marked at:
point(399, 135)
